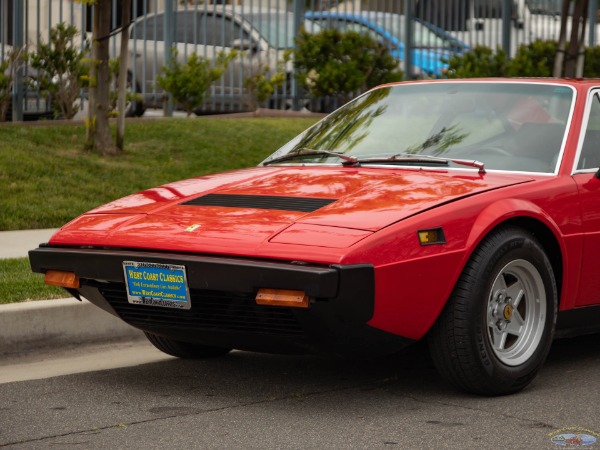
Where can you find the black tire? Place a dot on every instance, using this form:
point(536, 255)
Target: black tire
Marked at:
point(497, 327)
point(186, 350)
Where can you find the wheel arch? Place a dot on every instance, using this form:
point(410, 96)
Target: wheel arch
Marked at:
point(529, 217)
point(549, 242)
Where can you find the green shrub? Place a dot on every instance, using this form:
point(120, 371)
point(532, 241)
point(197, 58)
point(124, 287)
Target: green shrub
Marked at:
point(477, 63)
point(60, 70)
point(189, 82)
point(13, 60)
point(332, 63)
point(263, 83)
point(591, 67)
point(533, 60)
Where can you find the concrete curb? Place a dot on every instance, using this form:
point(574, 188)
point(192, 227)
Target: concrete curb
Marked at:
point(45, 324)
point(50, 323)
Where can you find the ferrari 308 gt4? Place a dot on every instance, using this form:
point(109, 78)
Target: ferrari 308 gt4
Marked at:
point(463, 212)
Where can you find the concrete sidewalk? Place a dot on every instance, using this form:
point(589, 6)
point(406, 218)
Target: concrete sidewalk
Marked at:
point(35, 325)
point(16, 244)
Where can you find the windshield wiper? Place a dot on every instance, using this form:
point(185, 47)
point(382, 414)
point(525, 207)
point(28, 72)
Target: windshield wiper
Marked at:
point(416, 158)
point(397, 158)
point(348, 160)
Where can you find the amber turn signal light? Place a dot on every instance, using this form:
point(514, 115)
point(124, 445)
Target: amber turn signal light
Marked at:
point(433, 236)
point(282, 297)
point(62, 279)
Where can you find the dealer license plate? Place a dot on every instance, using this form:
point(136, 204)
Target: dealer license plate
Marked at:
point(156, 284)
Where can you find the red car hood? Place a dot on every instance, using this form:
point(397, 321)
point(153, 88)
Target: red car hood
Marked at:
point(237, 212)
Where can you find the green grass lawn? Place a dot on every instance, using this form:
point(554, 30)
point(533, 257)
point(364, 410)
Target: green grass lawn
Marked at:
point(46, 179)
point(18, 283)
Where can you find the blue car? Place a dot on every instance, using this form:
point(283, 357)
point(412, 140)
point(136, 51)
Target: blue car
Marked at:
point(432, 45)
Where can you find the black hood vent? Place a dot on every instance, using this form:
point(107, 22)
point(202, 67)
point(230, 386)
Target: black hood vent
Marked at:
point(300, 204)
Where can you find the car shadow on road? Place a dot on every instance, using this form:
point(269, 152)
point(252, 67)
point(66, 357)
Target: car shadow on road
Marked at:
point(280, 375)
point(247, 377)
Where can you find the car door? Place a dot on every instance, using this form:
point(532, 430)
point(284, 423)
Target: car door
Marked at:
point(586, 175)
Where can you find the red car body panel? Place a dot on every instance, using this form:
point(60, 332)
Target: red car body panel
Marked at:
point(374, 218)
point(341, 232)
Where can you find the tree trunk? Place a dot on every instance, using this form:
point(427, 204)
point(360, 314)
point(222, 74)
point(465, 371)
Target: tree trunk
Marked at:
point(90, 121)
point(577, 36)
point(123, 64)
point(101, 139)
point(580, 62)
point(559, 61)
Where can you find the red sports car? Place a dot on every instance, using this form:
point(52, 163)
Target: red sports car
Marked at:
point(464, 212)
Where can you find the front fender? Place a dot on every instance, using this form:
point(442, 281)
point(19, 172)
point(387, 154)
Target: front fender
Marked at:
point(504, 210)
point(567, 237)
point(413, 290)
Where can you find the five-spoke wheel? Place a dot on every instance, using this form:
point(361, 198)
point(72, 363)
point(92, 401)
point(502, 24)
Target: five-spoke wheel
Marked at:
point(497, 327)
point(516, 312)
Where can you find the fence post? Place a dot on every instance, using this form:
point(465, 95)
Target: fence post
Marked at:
point(409, 70)
point(592, 21)
point(506, 25)
point(297, 90)
point(169, 24)
point(18, 42)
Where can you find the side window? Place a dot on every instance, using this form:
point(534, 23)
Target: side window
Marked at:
point(212, 30)
point(151, 28)
point(220, 31)
point(363, 29)
point(345, 26)
point(188, 27)
point(191, 27)
point(590, 151)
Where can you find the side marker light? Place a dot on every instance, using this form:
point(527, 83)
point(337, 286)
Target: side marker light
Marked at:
point(432, 236)
point(282, 297)
point(62, 279)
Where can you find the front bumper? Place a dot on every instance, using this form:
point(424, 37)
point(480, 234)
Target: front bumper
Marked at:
point(224, 312)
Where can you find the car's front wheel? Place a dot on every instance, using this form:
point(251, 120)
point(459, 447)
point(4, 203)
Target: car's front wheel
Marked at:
point(496, 330)
point(186, 350)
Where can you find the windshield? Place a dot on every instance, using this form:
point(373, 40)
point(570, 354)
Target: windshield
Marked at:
point(505, 125)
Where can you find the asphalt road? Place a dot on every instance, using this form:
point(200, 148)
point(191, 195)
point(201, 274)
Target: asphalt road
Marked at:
point(143, 399)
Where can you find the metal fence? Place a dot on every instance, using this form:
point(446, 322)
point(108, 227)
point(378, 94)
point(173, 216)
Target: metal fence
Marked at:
point(421, 34)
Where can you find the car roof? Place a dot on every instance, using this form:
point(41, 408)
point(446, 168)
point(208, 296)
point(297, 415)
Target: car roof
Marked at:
point(219, 9)
point(566, 81)
point(367, 17)
point(577, 84)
